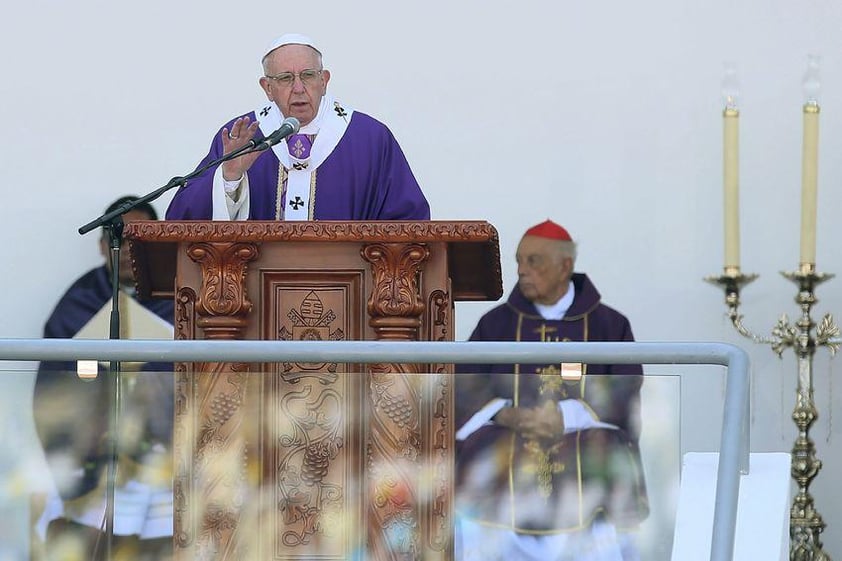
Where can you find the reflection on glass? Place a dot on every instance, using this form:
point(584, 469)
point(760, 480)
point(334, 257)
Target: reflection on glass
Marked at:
point(314, 464)
point(71, 420)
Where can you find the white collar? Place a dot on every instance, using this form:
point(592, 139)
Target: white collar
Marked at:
point(556, 311)
point(313, 126)
point(330, 123)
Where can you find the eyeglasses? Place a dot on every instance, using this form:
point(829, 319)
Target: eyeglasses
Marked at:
point(286, 79)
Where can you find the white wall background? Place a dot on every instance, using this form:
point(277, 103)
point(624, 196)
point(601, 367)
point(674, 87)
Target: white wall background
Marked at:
point(604, 116)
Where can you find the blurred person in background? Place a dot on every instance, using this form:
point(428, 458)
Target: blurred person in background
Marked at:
point(71, 420)
point(547, 464)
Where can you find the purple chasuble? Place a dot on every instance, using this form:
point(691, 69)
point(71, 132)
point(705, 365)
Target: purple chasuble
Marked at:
point(85, 297)
point(71, 415)
point(366, 177)
point(540, 487)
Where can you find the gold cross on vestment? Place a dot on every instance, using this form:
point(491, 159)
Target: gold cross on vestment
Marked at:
point(543, 331)
point(543, 466)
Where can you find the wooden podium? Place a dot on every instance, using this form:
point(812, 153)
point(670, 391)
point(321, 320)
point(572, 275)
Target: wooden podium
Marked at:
point(314, 460)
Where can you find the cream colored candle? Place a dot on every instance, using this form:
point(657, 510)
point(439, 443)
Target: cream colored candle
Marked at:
point(809, 182)
point(731, 167)
point(811, 85)
point(731, 184)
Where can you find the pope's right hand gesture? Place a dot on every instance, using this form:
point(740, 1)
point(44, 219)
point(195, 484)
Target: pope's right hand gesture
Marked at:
point(242, 131)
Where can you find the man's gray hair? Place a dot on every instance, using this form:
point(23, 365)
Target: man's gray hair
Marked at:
point(567, 249)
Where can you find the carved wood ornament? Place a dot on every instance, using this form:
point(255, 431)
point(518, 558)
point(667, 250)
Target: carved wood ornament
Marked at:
point(303, 460)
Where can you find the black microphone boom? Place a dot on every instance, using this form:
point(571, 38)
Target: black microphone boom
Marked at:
point(289, 127)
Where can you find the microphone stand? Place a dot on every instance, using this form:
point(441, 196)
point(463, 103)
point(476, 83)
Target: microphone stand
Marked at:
point(113, 381)
point(113, 223)
point(178, 181)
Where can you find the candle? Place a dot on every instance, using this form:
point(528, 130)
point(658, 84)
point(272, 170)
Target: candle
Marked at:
point(731, 169)
point(809, 163)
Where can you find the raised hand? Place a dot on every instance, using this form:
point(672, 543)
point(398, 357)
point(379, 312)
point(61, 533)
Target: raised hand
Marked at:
point(242, 131)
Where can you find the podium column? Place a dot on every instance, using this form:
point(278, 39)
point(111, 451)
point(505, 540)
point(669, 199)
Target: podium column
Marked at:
point(211, 423)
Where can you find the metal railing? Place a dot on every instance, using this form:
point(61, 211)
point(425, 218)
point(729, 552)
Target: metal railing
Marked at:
point(734, 443)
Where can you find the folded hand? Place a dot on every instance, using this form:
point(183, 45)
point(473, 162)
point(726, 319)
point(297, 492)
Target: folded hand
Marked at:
point(541, 422)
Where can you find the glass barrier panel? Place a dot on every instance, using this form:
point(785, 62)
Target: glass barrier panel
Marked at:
point(305, 460)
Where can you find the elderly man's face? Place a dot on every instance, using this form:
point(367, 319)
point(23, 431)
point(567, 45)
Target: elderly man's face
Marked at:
point(301, 98)
point(543, 275)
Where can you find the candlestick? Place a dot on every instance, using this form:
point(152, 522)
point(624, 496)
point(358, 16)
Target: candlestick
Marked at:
point(803, 335)
point(809, 163)
point(731, 168)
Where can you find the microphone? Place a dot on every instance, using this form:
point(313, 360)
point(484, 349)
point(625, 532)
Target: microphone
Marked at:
point(289, 127)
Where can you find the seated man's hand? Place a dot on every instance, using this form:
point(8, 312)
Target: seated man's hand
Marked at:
point(509, 417)
point(541, 422)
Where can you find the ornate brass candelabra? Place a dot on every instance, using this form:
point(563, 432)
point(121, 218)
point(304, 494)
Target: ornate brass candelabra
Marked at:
point(803, 336)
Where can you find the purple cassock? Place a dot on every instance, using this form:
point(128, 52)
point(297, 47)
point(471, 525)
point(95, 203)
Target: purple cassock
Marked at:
point(362, 176)
point(545, 486)
point(71, 415)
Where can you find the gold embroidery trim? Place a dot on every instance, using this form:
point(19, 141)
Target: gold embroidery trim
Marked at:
point(279, 197)
point(311, 210)
point(543, 466)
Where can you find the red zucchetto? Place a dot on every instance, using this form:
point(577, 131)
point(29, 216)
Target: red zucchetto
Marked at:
point(549, 229)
